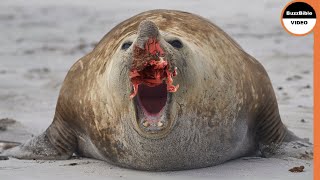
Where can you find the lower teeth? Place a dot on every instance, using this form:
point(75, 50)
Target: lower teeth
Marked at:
point(146, 124)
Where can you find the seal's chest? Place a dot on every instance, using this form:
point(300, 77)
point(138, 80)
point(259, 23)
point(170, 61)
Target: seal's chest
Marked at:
point(175, 153)
point(188, 145)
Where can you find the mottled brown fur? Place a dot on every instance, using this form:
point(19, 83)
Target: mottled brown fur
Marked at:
point(224, 108)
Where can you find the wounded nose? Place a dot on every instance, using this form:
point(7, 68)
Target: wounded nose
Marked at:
point(147, 29)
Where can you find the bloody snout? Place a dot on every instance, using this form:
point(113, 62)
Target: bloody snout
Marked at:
point(146, 30)
point(149, 65)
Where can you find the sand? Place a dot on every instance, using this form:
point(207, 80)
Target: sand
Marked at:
point(40, 40)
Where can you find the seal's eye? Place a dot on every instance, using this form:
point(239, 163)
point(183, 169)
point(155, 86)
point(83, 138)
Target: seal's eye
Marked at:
point(176, 43)
point(126, 45)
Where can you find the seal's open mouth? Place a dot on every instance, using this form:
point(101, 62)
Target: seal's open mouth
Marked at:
point(151, 105)
point(152, 99)
point(151, 79)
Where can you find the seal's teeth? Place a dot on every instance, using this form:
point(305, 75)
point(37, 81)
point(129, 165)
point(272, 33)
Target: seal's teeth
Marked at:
point(146, 124)
point(175, 73)
point(135, 90)
point(159, 124)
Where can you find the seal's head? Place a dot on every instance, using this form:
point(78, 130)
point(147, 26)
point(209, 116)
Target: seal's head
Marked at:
point(152, 71)
point(150, 66)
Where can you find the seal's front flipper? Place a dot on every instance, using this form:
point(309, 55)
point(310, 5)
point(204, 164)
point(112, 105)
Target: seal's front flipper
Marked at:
point(36, 148)
point(294, 149)
point(290, 136)
point(275, 140)
point(57, 142)
point(4, 145)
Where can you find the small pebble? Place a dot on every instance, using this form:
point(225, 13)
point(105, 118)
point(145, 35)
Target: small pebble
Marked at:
point(4, 158)
point(297, 169)
point(307, 86)
point(73, 164)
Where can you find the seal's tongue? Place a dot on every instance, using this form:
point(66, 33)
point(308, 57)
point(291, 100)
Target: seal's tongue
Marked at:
point(149, 66)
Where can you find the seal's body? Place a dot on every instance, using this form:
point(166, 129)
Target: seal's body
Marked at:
point(163, 90)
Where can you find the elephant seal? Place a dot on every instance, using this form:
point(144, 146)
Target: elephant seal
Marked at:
point(163, 90)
